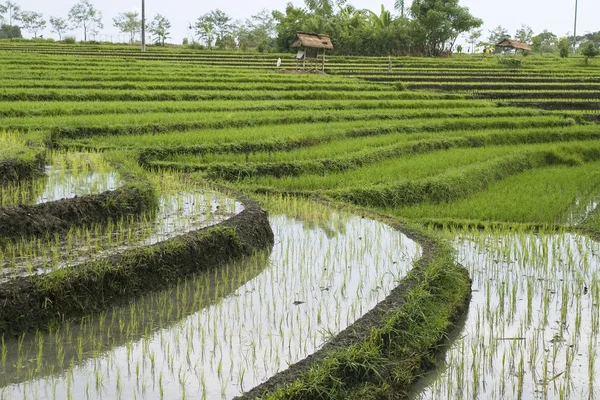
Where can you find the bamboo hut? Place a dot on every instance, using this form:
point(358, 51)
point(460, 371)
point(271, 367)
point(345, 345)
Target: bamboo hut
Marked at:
point(311, 47)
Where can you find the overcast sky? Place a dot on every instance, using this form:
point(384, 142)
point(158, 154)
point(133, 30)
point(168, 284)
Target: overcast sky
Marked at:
point(554, 15)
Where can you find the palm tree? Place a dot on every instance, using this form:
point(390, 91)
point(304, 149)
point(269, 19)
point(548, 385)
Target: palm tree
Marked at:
point(382, 20)
point(399, 6)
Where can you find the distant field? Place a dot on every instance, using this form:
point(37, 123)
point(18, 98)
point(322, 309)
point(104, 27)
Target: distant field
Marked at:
point(160, 145)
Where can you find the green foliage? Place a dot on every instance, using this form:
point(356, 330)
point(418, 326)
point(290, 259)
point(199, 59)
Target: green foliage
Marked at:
point(497, 35)
point(33, 22)
point(11, 12)
point(524, 34)
point(128, 22)
point(160, 28)
point(563, 47)
point(70, 40)
point(589, 51)
point(59, 26)
point(214, 26)
point(85, 15)
point(10, 32)
point(439, 23)
point(544, 42)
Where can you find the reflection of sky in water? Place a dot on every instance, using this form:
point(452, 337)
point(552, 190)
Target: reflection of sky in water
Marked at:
point(535, 309)
point(64, 184)
point(335, 273)
point(178, 213)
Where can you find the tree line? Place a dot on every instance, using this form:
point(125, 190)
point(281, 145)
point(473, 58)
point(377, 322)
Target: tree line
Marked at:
point(425, 27)
point(83, 15)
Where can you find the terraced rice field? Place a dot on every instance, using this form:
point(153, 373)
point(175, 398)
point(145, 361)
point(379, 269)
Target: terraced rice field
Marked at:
point(136, 263)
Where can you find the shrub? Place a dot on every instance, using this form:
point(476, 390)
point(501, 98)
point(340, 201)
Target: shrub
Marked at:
point(69, 40)
point(589, 50)
point(563, 47)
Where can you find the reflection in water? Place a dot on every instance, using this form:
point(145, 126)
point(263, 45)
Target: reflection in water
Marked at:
point(182, 207)
point(315, 284)
point(533, 324)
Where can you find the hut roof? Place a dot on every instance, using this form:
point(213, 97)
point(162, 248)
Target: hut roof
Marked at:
point(312, 40)
point(514, 44)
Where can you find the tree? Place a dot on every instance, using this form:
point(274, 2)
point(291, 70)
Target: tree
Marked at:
point(399, 6)
point(128, 22)
point(293, 20)
point(524, 34)
point(13, 13)
point(160, 28)
point(498, 34)
point(222, 23)
point(545, 42)
point(474, 35)
point(439, 23)
point(33, 22)
point(10, 32)
point(262, 25)
point(383, 20)
point(258, 30)
point(59, 26)
point(563, 47)
point(205, 29)
point(84, 15)
point(12, 9)
point(589, 50)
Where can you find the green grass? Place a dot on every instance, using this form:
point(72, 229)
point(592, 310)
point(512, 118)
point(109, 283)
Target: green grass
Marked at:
point(539, 196)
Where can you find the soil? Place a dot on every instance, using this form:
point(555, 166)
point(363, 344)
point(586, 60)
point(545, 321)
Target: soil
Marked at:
point(61, 215)
point(12, 170)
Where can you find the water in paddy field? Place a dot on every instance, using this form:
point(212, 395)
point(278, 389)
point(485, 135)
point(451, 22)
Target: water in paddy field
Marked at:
point(68, 183)
point(219, 334)
point(532, 331)
point(182, 208)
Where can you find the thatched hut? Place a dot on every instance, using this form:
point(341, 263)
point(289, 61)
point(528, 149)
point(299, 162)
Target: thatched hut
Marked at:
point(311, 47)
point(514, 44)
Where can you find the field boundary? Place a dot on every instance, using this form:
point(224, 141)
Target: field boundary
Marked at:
point(43, 301)
point(368, 355)
point(13, 170)
point(60, 215)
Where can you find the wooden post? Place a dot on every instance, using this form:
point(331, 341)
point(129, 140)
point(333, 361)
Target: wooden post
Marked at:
point(323, 68)
point(304, 61)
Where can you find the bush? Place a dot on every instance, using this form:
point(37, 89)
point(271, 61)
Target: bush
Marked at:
point(185, 42)
point(69, 40)
point(196, 46)
point(589, 51)
point(563, 47)
point(10, 32)
point(263, 47)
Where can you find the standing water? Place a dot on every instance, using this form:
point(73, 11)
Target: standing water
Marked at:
point(326, 270)
point(532, 331)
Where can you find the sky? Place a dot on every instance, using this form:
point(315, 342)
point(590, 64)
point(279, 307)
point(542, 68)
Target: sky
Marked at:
point(554, 15)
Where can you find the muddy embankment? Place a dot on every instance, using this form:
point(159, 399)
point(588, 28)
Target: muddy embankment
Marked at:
point(61, 215)
point(41, 301)
point(14, 170)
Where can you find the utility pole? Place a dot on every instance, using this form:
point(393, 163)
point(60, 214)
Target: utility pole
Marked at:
point(143, 25)
point(575, 30)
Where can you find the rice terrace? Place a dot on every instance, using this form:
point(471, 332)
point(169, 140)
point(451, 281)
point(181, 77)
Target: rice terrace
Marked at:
point(191, 222)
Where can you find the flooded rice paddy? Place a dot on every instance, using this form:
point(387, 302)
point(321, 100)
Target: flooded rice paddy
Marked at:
point(182, 207)
point(532, 331)
point(219, 334)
